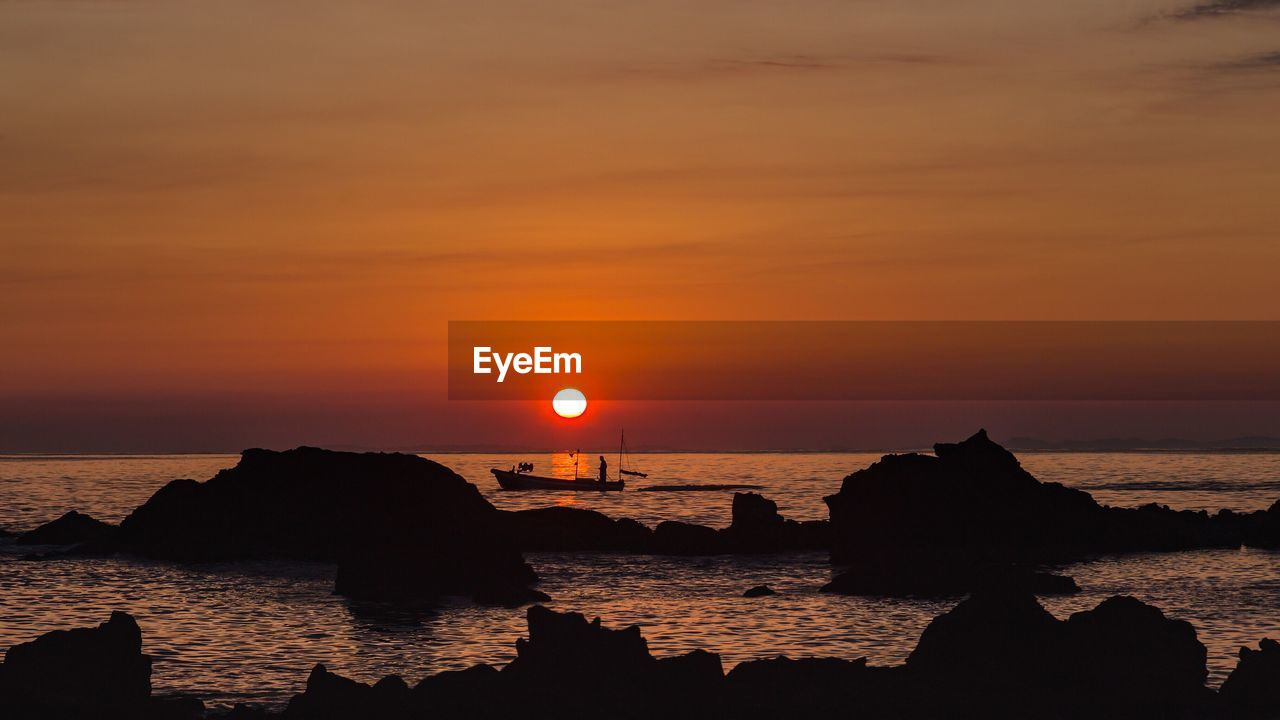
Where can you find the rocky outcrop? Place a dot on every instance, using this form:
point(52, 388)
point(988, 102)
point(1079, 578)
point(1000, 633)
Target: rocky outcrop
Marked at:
point(677, 538)
point(971, 497)
point(759, 591)
point(398, 525)
point(560, 529)
point(70, 529)
point(86, 672)
point(756, 527)
point(921, 524)
point(1253, 688)
point(1260, 529)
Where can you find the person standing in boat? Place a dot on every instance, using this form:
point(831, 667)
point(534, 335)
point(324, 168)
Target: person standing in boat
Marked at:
point(604, 470)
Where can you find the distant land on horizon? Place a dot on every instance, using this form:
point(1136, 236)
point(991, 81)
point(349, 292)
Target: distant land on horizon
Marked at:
point(1123, 444)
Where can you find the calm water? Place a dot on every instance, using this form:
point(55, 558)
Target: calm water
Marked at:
point(251, 632)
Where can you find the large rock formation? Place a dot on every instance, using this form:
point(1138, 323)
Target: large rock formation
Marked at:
point(971, 497)
point(70, 529)
point(87, 672)
point(921, 523)
point(398, 525)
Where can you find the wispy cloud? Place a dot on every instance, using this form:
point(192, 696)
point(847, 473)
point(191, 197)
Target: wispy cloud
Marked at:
point(1260, 61)
point(727, 67)
point(1221, 8)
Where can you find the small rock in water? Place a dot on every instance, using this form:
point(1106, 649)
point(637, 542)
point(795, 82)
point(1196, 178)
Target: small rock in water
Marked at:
point(71, 528)
point(759, 591)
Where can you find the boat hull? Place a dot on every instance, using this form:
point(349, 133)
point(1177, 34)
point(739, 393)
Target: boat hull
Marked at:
point(523, 481)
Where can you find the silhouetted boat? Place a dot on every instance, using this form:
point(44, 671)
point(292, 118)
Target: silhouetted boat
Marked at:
point(511, 480)
point(521, 478)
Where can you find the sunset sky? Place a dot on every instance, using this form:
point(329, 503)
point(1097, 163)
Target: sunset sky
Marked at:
point(237, 223)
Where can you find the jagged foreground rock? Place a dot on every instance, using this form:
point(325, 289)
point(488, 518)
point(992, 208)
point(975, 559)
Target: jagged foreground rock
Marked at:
point(1253, 689)
point(397, 525)
point(995, 654)
point(84, 673)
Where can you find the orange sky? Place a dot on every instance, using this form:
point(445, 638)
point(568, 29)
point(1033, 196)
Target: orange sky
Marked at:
point(266, 199)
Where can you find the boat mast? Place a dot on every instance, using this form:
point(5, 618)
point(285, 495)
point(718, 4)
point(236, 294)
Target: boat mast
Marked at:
point(576, 453)
point(622, 441)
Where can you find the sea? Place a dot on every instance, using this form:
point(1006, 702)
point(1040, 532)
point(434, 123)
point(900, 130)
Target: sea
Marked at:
point(251, 632)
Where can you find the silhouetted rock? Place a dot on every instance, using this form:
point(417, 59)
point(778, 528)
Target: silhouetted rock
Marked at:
point(72, 528)
point(398, 525)
point(1000, 652)
point(6, 534)
point(1127, 654)
point(693, 682)
point(971, 497)
point(567, 667)
point(1157, 528)
point(759, 591)
point(1005, 638)
point(613, 674)
point(926, 523)
point(333, 697)
point(758, 528)
point(678, 538)
point(566, 645)
point(578, 667)
point(1260, 529)
point(1253, 687)
point(570, 529)
point(86, 672)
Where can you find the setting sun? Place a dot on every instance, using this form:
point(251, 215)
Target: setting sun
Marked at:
point(569, 403)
